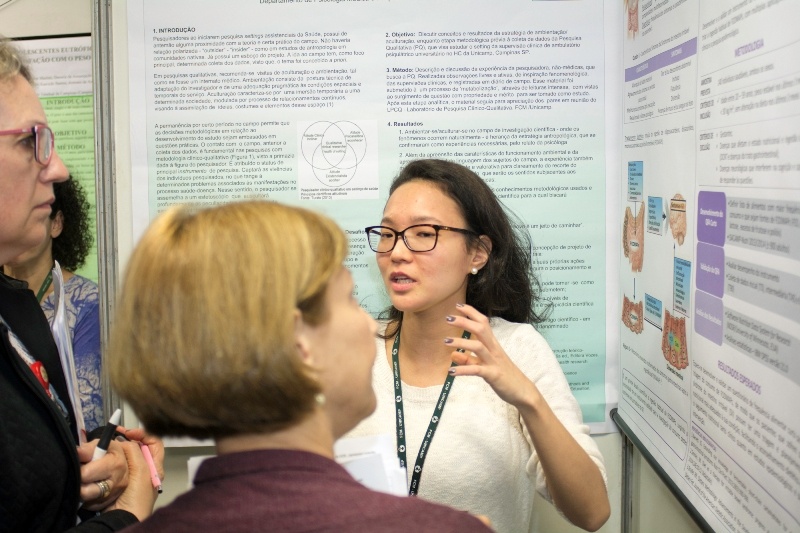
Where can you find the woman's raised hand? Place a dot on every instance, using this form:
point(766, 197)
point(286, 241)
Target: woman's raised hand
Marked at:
point(483, 356)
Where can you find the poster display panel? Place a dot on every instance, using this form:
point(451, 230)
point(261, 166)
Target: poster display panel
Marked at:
point(321, 103)
point(711, 253)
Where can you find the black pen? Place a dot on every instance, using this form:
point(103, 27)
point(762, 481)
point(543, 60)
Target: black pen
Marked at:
point(108, 434)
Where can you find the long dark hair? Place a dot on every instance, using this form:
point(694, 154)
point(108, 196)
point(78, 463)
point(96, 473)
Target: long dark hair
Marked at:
point(506, 287)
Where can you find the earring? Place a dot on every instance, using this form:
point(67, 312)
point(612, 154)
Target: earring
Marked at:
point(320, 399)
point(474, 271)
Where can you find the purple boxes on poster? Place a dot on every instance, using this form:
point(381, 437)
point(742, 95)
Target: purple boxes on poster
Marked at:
point(710, 273)
point(708, 317)
point(711, 218)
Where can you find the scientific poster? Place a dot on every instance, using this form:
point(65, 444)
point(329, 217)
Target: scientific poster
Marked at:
point(261, 99)
point(711, 253)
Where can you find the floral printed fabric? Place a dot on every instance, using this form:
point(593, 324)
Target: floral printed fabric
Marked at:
point(83, 319)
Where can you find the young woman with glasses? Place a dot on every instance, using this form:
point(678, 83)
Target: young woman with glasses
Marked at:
point(459, 359)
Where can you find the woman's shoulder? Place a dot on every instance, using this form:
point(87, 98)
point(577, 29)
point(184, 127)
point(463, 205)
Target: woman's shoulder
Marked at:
point(81, 287)
point(522, 342)
point(503, 329)
point(82, 293)
point(79, 281)
point(380, 346)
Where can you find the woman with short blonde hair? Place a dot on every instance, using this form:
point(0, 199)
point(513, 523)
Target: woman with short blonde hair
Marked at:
point(219, 308)
point(238, 322)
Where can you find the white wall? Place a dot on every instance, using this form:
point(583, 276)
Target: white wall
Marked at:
point(654, 509)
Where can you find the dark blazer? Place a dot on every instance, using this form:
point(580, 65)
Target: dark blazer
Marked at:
point(39, 468)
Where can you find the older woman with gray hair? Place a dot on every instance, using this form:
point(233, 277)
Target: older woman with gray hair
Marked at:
point(45, 474)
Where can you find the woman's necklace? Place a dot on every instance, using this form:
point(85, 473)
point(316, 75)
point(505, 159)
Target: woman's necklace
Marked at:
point(400, 420)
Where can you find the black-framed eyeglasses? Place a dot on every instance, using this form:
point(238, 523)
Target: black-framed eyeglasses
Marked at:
point(43, 144)
point(417, 238)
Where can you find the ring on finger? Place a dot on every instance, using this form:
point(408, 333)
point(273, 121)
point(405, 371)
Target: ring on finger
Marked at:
point(105, 490)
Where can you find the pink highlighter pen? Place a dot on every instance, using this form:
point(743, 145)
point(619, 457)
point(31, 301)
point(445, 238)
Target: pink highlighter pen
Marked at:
point(152, 465)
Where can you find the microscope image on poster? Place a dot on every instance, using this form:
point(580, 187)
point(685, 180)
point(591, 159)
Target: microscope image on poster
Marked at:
point(677, 218)
point(633, 237)
point(631, 18)
point(633, 315)
point(673, 341)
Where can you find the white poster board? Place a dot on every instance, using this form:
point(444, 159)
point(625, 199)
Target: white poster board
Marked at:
point(321, 103)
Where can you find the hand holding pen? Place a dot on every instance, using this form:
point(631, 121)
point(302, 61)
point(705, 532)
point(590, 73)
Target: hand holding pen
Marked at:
point(108, 434)
point(108, 475)
point(145, 442)
point(153, 451)
point(104, 475)
point(125, 472)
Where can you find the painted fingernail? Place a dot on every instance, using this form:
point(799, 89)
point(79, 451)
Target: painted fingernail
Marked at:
point(448, 340)
point(450, 318)
point(459, 305)
point(451, 370)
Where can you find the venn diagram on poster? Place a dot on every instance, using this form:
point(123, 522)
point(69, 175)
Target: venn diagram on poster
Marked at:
point(334, 150)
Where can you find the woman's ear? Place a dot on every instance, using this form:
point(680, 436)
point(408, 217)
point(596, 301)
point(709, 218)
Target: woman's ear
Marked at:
point(482, 251)
point(302, 338)
point(57, 225)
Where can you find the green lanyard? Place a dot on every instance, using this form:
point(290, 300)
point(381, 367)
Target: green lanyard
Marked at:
point(400, 421)
point(45, 285)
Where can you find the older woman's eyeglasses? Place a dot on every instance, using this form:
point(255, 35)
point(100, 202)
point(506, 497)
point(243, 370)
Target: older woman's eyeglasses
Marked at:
point(417, 238)
point(43, 141)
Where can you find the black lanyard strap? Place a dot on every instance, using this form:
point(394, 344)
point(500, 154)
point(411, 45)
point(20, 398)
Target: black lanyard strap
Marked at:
point(400, 420)
point(45, 285)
